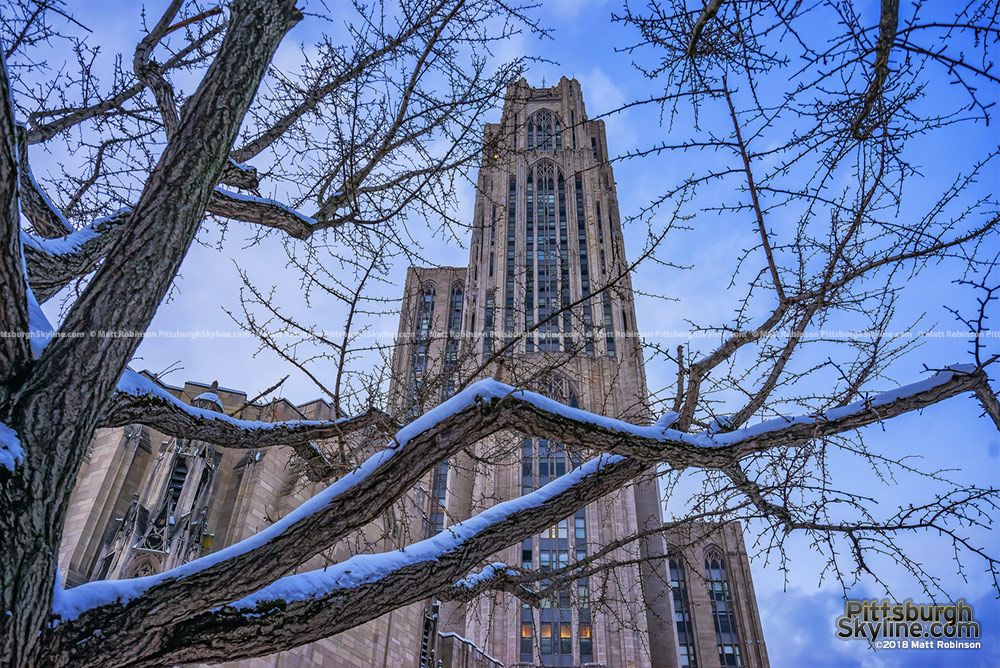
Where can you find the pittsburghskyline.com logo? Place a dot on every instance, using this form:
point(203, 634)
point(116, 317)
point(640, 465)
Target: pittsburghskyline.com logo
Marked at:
point(908, 625)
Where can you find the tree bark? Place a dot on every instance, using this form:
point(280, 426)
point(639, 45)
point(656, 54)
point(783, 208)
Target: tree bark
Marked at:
point(54, 409)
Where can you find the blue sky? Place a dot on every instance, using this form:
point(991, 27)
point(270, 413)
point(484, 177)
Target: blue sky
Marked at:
point(798, 607)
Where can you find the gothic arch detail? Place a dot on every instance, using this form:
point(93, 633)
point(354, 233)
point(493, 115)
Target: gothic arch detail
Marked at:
point(544, 131)
point(726, 631)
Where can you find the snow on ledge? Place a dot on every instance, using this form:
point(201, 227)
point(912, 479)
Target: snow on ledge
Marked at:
point(471, 644)
point(209, 396)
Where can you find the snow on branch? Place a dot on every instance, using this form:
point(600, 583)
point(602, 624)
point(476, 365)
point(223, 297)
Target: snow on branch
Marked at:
point(306, 606)
point(346, 505)
point(139, 400)
point(943, 385)
point(260, 210)
point(351, 502)
point(52, 263)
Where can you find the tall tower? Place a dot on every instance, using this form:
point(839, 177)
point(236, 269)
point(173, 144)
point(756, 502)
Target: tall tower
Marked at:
point(546, 302)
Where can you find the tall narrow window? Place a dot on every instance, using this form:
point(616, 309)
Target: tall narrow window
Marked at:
point(488, 325)
point(439, 487)
point(493, 238)
point(511, 228)
point(421, 345)
point(547, 254)
point(581, 231)
point(452, 341)
point(682, 614)
point(586, 645)
point(567, 317)
point(529, 287)
point(547, 285)
point(609, 327)
point(600, 236)
point(527, 642)
point(726, 632)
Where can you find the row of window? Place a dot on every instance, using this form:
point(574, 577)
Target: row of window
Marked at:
point(559, 631)
point(726, 631)
point(422, 341)
point(555, 640)
point(547, 271)
point(543, 132)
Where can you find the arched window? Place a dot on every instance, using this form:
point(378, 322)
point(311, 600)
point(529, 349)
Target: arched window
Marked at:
point(452, 340)
point(511, 229)
point(682, 613)
point(544, 131)
point(546, 284)
point(581, 232)
point(726, 632)
point(421, 345)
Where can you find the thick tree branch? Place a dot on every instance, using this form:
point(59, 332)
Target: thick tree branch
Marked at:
point(15, 353)
point(707, 14)
point(267, 212)
point(45, 218)
point(888, 24)
point(53, 263)
point(148, 72)
point(302, 608)
point(142, 402)
point(473, 414)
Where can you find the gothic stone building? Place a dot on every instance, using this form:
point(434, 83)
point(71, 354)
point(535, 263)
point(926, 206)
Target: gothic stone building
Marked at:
point(544, 302)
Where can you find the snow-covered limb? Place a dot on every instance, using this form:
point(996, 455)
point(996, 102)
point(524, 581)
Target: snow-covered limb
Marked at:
point(488, 572)
point(45, 217)
point(945, 384)
point(53, 263)
point(346, 505)
point(260, 210)
point(139, 400)
point(308, 606)
point(474, 413)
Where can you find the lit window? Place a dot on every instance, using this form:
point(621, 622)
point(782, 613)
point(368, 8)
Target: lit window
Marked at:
point(545, 646)
point(527, 635)
point(586, 648)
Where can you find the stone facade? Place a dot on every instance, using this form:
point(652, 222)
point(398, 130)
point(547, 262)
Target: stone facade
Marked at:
point(546, 234)
point(210, 499)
